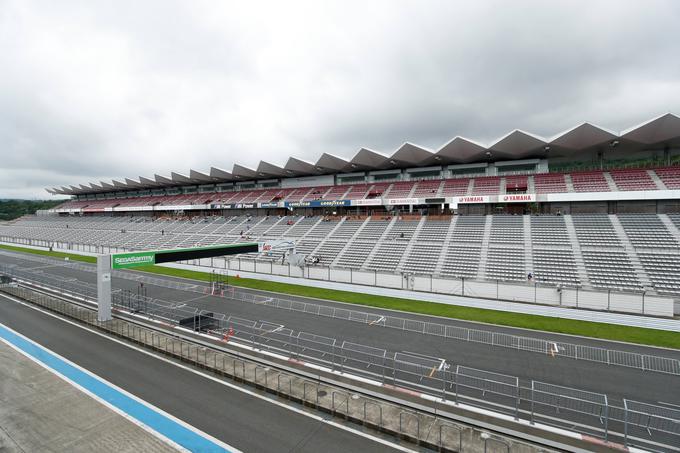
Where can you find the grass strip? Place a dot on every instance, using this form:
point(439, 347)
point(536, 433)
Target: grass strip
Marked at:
point(70, 256)
point(652, 337)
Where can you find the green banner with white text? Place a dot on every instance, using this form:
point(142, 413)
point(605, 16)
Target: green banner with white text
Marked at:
point(127, 260)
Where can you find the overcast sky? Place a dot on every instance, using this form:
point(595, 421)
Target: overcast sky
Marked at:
point(93, 90)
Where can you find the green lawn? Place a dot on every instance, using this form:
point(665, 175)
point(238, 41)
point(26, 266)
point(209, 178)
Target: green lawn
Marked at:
point(70, 256)
point(584, 328)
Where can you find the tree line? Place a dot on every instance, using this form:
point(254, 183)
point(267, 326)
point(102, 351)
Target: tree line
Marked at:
point(13, 209)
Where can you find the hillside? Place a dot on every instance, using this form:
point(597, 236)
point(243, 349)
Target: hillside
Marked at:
point(12, 209)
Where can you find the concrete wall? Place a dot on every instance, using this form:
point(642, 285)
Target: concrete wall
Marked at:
point(515, 292)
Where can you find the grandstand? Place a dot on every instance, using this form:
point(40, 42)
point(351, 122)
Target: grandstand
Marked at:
point(587, 209)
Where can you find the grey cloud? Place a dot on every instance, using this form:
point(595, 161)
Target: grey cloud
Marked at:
point(95, 90)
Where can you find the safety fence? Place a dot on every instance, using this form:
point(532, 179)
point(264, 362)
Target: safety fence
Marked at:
point(615, 300)
point(540, 402)
point(428, 430)
point(645, 362)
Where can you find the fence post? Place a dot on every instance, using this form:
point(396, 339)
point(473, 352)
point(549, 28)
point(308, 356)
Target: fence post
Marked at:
point(606, 420)
point(532, 403)
point(625, 423)
point(455, 385)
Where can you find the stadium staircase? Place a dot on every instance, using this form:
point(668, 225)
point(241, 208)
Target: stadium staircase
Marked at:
point(578, 256)
point(410, 246)
point(328, 236)
point(470, 187)
point(531, 186)
point(350, 240)
point(381, 240)
point(447, 241)
point(413, 191)
point(610, 181)
point(305, 235)
point(528, 251)
point(569, 183)
point(659, 183)
point(502, 186)
point(672, 228)
point(481, 270)
point(632, 254)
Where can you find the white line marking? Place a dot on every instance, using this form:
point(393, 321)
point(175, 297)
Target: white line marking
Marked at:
point(226, 384)
point(381, 319)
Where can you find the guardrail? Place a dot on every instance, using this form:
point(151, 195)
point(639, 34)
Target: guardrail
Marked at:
point(568, 408)
point(558, 349)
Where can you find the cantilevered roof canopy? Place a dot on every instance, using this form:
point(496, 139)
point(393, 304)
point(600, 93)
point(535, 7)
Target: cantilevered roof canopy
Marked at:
point(582, 136)
point(458, 151)
point(180, 179)
point(200, 177)
point(366, 159)
point(163, 181)
point(240, 172)
point(220, 175)
point(330, 164)
point(409, 154)
point(663, 131)
point(297, 167)
point(265, 169)
point(131, 183)
point(516, 144)
point(148, 182)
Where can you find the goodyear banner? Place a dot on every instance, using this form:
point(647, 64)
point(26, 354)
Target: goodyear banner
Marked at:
point(317, 203)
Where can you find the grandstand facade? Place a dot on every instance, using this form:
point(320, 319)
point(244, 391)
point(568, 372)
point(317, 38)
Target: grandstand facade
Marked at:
point(586, 169)
point(588, 209)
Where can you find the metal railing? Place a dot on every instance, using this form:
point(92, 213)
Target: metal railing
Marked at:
point(557, 349)
point(546, 403)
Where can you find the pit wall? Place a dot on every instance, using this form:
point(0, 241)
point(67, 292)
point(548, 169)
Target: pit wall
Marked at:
point(533, 293)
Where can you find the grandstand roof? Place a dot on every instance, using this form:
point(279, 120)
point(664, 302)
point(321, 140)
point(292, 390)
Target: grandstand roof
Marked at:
point(662, 130)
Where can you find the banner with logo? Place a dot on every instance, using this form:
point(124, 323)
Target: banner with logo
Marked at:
point(517, 198)
point(128, 260)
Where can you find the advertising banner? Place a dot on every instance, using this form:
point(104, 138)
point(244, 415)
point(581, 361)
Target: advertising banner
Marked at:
point(517, 198)
point(317, 203)
point(128, 260)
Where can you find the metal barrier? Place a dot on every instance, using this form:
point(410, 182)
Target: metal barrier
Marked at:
point(555, 348)
point(553, 404)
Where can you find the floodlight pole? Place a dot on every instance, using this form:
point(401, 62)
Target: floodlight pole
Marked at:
point(104, 288)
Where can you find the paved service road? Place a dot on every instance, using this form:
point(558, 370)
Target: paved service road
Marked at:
point(241, 420)
point(615, 381)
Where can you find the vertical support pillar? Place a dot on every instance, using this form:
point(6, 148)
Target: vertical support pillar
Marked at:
point(104, 288)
